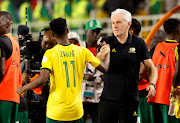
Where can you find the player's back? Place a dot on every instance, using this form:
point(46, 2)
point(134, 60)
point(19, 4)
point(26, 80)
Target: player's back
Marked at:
point(66, 64)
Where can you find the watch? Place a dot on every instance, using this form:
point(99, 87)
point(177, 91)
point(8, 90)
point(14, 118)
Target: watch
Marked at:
point(153, 85)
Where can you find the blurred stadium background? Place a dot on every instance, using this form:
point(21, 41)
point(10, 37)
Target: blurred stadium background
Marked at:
point(78, 12)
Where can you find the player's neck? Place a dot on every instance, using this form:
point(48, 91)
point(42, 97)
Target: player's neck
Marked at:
point(63, 41)
point(172, 37)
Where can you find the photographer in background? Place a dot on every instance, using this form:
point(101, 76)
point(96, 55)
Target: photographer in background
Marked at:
point(10, 71)
point(37, 104)
point(47, 42)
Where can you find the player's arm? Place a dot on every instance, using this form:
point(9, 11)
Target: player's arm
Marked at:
point(104, 66)
point(153, 75)
point(175, 90)
point(43, 77)
point(2, 59)
point(176, 76)
point(2, 67)
point(105, 52)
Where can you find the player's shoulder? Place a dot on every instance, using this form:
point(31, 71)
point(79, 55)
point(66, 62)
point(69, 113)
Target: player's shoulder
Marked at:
point(3, 38)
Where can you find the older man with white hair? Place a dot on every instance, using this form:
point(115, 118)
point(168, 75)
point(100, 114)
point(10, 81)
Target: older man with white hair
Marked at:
point(119, 99)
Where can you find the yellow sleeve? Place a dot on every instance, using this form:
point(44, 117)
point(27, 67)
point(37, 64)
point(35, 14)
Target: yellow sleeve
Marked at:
point(46, 61)
point(90, 58)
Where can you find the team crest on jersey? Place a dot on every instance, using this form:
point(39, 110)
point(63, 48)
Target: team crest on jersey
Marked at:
point(132, 50)
point(44, 59)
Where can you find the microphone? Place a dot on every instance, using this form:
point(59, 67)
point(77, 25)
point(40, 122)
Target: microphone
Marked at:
point(23, 30)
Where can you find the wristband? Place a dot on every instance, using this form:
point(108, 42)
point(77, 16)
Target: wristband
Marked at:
point(153, 85)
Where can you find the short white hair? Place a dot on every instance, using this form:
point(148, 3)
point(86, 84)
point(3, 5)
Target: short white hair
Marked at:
point(127, 14)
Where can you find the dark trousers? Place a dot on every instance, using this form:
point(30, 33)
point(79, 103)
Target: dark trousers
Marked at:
point(92, 110)
point(115, 112)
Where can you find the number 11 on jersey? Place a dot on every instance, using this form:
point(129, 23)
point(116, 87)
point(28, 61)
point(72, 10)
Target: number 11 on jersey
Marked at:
point(67, 73)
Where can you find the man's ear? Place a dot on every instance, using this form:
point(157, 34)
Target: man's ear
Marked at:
point(9, 24)
point(129, 24)
point(131, 31)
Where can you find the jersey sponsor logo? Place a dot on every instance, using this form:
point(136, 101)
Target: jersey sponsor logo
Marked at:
point(113, 50)
point(163, 67)
point(132, 50)
point(67, 54)
point(44, 59)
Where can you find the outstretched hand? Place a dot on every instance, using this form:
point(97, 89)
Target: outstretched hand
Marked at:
point(151, 92)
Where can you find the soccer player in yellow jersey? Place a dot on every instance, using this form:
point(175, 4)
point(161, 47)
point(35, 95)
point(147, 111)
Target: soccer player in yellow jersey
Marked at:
point(65, 64)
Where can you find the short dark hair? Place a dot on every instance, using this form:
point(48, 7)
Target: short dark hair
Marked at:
point(171, 26)
point(7, 15)
point(135, 26)
point(58, 27)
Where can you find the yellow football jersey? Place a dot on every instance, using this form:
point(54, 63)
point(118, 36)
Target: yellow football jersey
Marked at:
point(66, 64)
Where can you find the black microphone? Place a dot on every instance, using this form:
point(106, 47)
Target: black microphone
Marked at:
point(23, 30)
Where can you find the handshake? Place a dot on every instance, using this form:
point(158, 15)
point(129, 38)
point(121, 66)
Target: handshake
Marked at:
point(105, 49)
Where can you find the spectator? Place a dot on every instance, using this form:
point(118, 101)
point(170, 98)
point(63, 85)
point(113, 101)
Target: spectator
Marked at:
point(130, 5)
point(42, 11)
point(74, 38)
point(22, 12)
point(158, 38)
point(92, 84)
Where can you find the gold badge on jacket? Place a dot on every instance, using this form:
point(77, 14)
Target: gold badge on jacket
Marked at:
point(132, 50)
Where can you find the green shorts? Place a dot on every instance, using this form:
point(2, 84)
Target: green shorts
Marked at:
point(8, 111)
point(143, 111)
point(159, 113)
point(22, 117)
point(48, 120)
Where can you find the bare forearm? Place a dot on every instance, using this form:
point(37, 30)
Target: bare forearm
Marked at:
point(153, 75)
point(1, 76)
point(175, 81)
point(104, 66)
point(107, 62)
point(176, 76)
point(2, 68)
point(34, 84)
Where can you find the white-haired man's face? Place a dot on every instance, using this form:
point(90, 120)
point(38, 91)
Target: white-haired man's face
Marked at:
point(119, 26)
